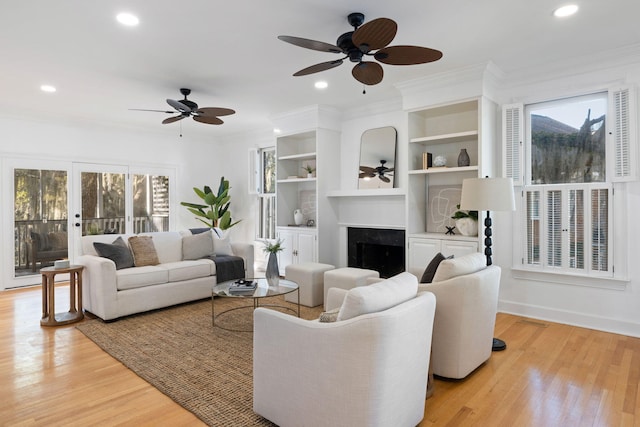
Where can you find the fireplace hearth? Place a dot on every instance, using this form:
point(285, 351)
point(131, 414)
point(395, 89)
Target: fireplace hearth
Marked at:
point(382, 250)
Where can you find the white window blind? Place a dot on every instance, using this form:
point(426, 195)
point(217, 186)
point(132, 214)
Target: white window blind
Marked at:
point(570, 230)
point(622, 131)
point(512, 137)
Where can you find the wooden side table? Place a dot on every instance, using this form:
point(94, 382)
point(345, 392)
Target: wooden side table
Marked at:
point(75, 314)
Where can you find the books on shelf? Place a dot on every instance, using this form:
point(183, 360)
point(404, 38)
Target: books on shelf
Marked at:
point(242, 287)
point(427, 161)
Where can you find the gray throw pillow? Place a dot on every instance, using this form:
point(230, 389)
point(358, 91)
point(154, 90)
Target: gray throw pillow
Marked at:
point(430, 271)
point(118, 252)
point(197, 246)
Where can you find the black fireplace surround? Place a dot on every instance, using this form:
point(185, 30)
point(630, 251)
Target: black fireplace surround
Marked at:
point(382, 250)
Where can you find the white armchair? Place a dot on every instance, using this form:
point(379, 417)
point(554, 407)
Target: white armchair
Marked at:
point(369, 370)
point(463, 330)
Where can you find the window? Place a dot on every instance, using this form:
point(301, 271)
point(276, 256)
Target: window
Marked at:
point(267, 193)
point(574, 153)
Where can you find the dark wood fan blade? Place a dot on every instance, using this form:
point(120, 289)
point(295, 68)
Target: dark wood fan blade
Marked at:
point(366, 175)
point(384, 178)
point(407, 55)
point(173, 119)
point(214, 111)
point(368, 73)
point(157, 111)
point(367, 169)
point(179, 106)
point(323, 66)
point(208, 120)
point(375, 34)
point(311, 44)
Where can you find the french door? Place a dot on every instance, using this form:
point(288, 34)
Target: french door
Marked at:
point(51, 204)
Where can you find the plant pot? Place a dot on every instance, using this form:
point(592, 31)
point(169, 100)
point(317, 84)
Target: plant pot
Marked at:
point(273, 273)
point(467, 226)
point(310, 175)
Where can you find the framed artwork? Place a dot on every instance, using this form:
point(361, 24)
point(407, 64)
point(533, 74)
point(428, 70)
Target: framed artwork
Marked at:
point(441, 205)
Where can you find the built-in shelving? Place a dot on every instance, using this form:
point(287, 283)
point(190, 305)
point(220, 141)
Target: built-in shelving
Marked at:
point(445, 138)
point(443, 169)
point(382, 192)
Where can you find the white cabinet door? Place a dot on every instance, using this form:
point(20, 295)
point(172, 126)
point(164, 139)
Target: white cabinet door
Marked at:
point(421, 251)
point(458, 248)
point(285, 256)
point(306, 250)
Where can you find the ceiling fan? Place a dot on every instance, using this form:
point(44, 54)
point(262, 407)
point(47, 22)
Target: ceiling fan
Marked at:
point(186, 108)
point(363, 41)
point(382, 171)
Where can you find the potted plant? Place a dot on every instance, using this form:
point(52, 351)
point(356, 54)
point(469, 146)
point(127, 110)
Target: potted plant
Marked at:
point(310, 170)
point(466, 222)
point(273, 273)
point(215, 212)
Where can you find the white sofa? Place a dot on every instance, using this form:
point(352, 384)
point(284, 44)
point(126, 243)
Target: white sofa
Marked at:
point(369, 369)
point(466, 292)
point(109, 293)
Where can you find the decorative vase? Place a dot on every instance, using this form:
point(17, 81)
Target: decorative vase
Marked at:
point(467, 226)
point(463, 158)
point(298, 218)
point(273, 273)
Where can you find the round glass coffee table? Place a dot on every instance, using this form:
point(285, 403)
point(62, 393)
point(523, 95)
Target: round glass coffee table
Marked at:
point(263, 290)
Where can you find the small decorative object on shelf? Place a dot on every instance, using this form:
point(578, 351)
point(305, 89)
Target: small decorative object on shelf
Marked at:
point(427, 160)
point(273, 272)
point(298, 218)
point(466, 222)
point(439, 161)
point(310, 170)
point(463, 158)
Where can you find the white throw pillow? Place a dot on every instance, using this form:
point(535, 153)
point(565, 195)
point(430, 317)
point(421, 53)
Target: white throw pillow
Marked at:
point(197, 246)
point(466, 264)
point(221, 246)
point(379, 296)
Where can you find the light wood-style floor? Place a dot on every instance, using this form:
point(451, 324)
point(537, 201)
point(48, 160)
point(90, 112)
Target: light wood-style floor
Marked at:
point(550, 375)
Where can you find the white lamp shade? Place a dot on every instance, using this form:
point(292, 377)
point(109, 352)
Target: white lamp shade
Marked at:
point(487, 194)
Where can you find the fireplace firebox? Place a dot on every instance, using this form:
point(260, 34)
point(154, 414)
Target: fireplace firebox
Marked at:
point(382, 250)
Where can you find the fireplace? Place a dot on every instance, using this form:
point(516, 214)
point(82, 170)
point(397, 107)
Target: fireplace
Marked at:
point(382, 250)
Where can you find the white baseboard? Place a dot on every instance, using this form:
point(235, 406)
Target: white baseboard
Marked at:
point(583, 320)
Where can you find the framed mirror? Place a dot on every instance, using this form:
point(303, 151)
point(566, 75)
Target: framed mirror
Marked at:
point(377, 158)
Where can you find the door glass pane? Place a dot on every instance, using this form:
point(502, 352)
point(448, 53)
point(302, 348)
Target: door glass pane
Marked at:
point(150, 203)
point(40, 219)
point(103, 203)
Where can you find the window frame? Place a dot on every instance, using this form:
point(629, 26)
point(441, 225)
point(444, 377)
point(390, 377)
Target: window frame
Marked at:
point(621, 141)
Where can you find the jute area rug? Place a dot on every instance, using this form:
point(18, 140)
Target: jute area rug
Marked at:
point(206, 370)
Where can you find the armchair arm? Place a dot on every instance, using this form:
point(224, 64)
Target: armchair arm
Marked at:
point(245, 250)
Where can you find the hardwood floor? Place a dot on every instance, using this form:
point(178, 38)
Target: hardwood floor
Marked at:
point(550, 375)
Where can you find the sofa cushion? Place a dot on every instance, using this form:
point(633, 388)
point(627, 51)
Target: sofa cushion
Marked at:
point(430, 271)
point(118, 252)
point(467, 264)
point(187, 270)
point(144, 252)
point(379, 296)
point(168, 245)
point(197, 246)
point(138, 277)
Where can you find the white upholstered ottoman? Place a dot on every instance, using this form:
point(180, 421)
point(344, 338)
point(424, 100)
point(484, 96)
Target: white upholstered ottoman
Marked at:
point(347, 278)
point(310, 279)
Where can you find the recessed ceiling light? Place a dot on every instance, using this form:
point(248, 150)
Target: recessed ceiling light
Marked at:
point(321, 85)
point(565, 11)
point(276, 130)
point(48, 88)
point(128, 19)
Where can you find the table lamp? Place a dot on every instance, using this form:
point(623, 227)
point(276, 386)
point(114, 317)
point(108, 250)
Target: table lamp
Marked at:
point(488, 194)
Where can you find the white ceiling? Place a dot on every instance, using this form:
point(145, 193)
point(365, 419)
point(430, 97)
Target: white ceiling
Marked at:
point(229, 55)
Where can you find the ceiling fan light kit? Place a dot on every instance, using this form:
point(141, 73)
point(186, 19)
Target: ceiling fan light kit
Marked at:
point(361, 42)
point(187, 108)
